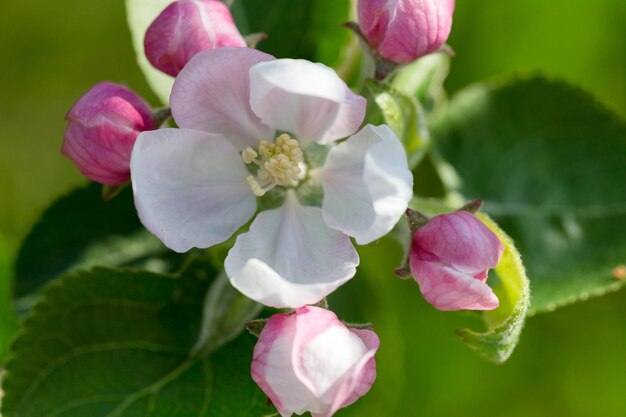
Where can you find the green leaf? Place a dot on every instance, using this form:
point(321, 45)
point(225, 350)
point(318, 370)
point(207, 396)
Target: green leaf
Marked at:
point(81, 230)
point(504, 324)
point(140, 14)
point(8, 321)
point(225, 313)
point(549, 162)
point(404, 115)
point(117, 343)
point(309, 29)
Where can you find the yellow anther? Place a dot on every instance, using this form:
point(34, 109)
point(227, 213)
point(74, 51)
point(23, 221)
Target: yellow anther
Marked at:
point(279, 164)
point(263, 175)
point(255, 186)
point(249, 155)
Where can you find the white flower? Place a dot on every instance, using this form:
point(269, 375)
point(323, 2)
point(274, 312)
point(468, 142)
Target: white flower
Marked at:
point(197, 185)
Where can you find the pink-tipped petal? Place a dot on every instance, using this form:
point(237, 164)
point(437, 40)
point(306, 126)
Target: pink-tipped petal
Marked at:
point(463, 241)
point(360, 378)
point(272, 369)
point(102, 128)
point(190, 187)
point(374, 16)
point(448, 289)
point(187, 27)
point(212, 94)
point(309, 361)
point(306, 99)
point(450, 258)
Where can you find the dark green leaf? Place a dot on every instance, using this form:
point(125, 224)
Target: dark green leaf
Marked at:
point(8, 321)
point(81, 230)
point(309, 29)
point(117, 343)
point(226, 312)
point(549, 162)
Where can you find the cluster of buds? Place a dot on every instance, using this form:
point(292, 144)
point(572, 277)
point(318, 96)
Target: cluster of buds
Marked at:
point(105, 122)
point(102, 131)
point(306, 360)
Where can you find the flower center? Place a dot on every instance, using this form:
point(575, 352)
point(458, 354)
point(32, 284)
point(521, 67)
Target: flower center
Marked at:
point(279, 163)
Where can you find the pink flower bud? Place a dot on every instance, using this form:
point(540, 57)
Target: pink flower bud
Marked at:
point(450, 259)
point(405, 30)
point(103, 126)
point(187, 27)
point(309, 361)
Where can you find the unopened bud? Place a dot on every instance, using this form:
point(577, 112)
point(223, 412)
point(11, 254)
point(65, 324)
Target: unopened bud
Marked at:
point(103, 126)
point(450, 259)
point(402, 31)
point(187, 27)
point(308, 360)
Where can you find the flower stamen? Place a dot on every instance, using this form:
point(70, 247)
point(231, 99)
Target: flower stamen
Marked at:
point(279, 164)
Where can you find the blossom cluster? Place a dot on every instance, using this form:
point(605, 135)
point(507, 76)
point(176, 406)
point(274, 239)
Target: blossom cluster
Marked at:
point(253, 131)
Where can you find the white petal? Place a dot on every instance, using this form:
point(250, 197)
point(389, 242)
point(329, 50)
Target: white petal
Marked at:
point(306, 99)
point(212, 94)
point(328, 356)
point(190, 187)
point(290, 258)
point(367, 184)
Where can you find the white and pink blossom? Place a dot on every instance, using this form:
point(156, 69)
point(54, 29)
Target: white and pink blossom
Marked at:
point(187, 27)
point(450, 259)
point(102, 128)
point(247, 123)
point(308, 360)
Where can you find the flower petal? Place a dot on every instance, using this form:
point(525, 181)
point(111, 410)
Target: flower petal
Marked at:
point(212, 94)
point(324, 350)
point(185, 28)
point(414, 28)
point(359, 379)
point(190, 187)
point(367, 184)
point(272, 372)
point(306, 99)
point(447, 289)
point(463, 241)
point(290, 258)
point(309, 360)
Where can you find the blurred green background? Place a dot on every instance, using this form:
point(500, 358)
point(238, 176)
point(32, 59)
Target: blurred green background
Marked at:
point(569, 363)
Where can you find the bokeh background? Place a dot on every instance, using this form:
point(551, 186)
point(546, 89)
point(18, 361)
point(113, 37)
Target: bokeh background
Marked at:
point(568, 363)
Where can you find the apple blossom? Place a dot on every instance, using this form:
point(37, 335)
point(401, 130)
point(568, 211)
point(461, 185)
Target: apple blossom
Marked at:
point(308, 360)
point(405, 30)
point(450, 259)
point(187, 27)
point(103, 126)
point(247, 124)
